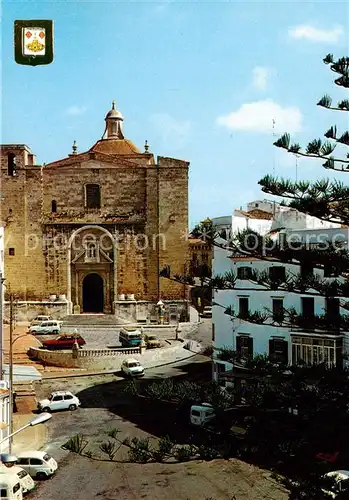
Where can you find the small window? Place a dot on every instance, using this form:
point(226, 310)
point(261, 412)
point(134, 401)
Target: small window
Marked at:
point(23, 461)
point(244, 346)
point(330, 271)
point(35, 461)
point(93, 196)
point(53, 206)
point(278, 310)
point(277, 273)
point(3, 493)
point(195, 413)
point(213, 333)
point(307, 270)
point(278, 350)
point(308, 307)
point(243, 306)
point(16, 487)
point(244, 273)
point(11, 165)
point(58, 398)
point(11, 251)
point(68, 397)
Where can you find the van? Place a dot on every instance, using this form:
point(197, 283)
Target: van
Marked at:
point(10, 487)
point(201, 414)
point(38, 464)
point(130, 337)
point(24, 478)
point(44, 327)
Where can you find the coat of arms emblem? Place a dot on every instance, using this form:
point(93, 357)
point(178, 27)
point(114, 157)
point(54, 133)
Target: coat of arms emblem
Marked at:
point(34, 42)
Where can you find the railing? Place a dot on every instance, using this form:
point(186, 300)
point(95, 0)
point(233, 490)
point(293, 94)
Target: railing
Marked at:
point(96, 353)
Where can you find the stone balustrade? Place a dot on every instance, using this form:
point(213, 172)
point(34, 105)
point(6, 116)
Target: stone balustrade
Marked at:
point(87, 353)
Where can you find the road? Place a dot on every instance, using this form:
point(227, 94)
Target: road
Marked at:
point(100, 337)
point(104, 407)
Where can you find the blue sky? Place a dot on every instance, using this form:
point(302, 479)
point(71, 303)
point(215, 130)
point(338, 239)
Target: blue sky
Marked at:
point(200, 81)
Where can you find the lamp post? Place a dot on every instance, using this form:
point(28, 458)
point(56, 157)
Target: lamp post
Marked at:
point(40, 419)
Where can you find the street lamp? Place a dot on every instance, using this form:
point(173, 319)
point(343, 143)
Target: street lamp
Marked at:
point(40, 419)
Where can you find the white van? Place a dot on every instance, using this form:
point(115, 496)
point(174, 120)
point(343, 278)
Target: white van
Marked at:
point(10, 487)
point(44, 327)
point(201, 414)
point(24, 478)
point(38, 464)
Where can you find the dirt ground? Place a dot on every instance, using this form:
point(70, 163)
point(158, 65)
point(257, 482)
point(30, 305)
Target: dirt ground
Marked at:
point(216, 480)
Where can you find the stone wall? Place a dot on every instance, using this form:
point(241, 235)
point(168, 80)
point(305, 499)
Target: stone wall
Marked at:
point(100, 360)
point(27, 310)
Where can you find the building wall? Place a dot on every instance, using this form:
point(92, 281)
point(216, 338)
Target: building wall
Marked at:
point(143, 205)
point(226, 329)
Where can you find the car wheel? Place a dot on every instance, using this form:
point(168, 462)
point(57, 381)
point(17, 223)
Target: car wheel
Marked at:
point(72, 407)
point(34, 332)
point(56, 332)
point(41, 475)
point(46, 409)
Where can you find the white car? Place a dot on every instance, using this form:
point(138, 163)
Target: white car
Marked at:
point(45, 327)
point(132, 368)
point(340, 480)
point(24, 478)
point(59, 400)
point(38, 464)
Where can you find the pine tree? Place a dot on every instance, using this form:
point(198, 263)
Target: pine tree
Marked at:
point(325, 199)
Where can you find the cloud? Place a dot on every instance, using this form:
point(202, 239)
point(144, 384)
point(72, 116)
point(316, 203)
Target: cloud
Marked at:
point(173, 133)
point(258, 116)
point(260, 77)
point(75, 110)
point(308, 32)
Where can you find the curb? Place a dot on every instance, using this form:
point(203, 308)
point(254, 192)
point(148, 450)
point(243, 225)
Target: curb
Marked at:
point(113, 372)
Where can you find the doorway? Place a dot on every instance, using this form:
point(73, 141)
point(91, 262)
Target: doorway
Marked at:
point(93, 294)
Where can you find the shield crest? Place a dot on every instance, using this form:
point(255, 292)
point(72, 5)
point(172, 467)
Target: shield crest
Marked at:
point(34, 41)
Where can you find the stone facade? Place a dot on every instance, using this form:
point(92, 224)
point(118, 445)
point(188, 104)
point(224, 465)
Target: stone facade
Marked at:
point(94, 225)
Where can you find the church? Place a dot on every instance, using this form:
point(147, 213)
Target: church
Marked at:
point(91, 232)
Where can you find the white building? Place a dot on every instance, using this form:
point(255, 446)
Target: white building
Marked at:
point(283, 343)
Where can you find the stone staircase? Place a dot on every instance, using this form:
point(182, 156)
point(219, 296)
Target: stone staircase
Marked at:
point(91, 320)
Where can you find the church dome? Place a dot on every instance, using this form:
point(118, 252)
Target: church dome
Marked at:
point(114, 113)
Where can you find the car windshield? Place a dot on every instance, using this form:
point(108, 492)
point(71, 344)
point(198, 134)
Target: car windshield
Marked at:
point(134, 364)
point(21, 474)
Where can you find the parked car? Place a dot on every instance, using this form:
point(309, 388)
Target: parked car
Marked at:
point(130, 337)
point(201, 414)
point(207, 312)
point(38, 464)
point(24, 478)
point(59, 400)
point(64, 341)
point(338, 483)
point(45, 327)
point(10, 487)
point(152, 341)
point(132, 368)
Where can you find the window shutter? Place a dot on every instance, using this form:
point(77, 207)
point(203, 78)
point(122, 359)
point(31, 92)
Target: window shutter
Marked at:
point(271, 348)
point(285, 346)
point(238, 344)
point(250, 346)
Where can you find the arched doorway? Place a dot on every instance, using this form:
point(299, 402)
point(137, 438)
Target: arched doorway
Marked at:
point(92, 294)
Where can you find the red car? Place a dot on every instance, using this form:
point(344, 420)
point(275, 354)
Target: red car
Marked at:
point(64, 341)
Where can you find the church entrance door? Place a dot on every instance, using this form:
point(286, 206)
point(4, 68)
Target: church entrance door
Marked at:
point(92, 294)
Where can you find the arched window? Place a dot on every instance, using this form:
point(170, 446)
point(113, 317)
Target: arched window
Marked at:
point(53, 206)
point(93, 196)
point(11, 164)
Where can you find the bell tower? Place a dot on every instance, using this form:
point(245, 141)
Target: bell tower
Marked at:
point(114, 122)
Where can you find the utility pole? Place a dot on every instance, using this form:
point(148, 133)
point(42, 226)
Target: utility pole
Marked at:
point(11, 376)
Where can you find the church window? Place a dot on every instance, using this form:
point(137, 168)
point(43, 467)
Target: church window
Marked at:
point(53, 206)
point(11, 164)
point(93, 196)
point(11, 251)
